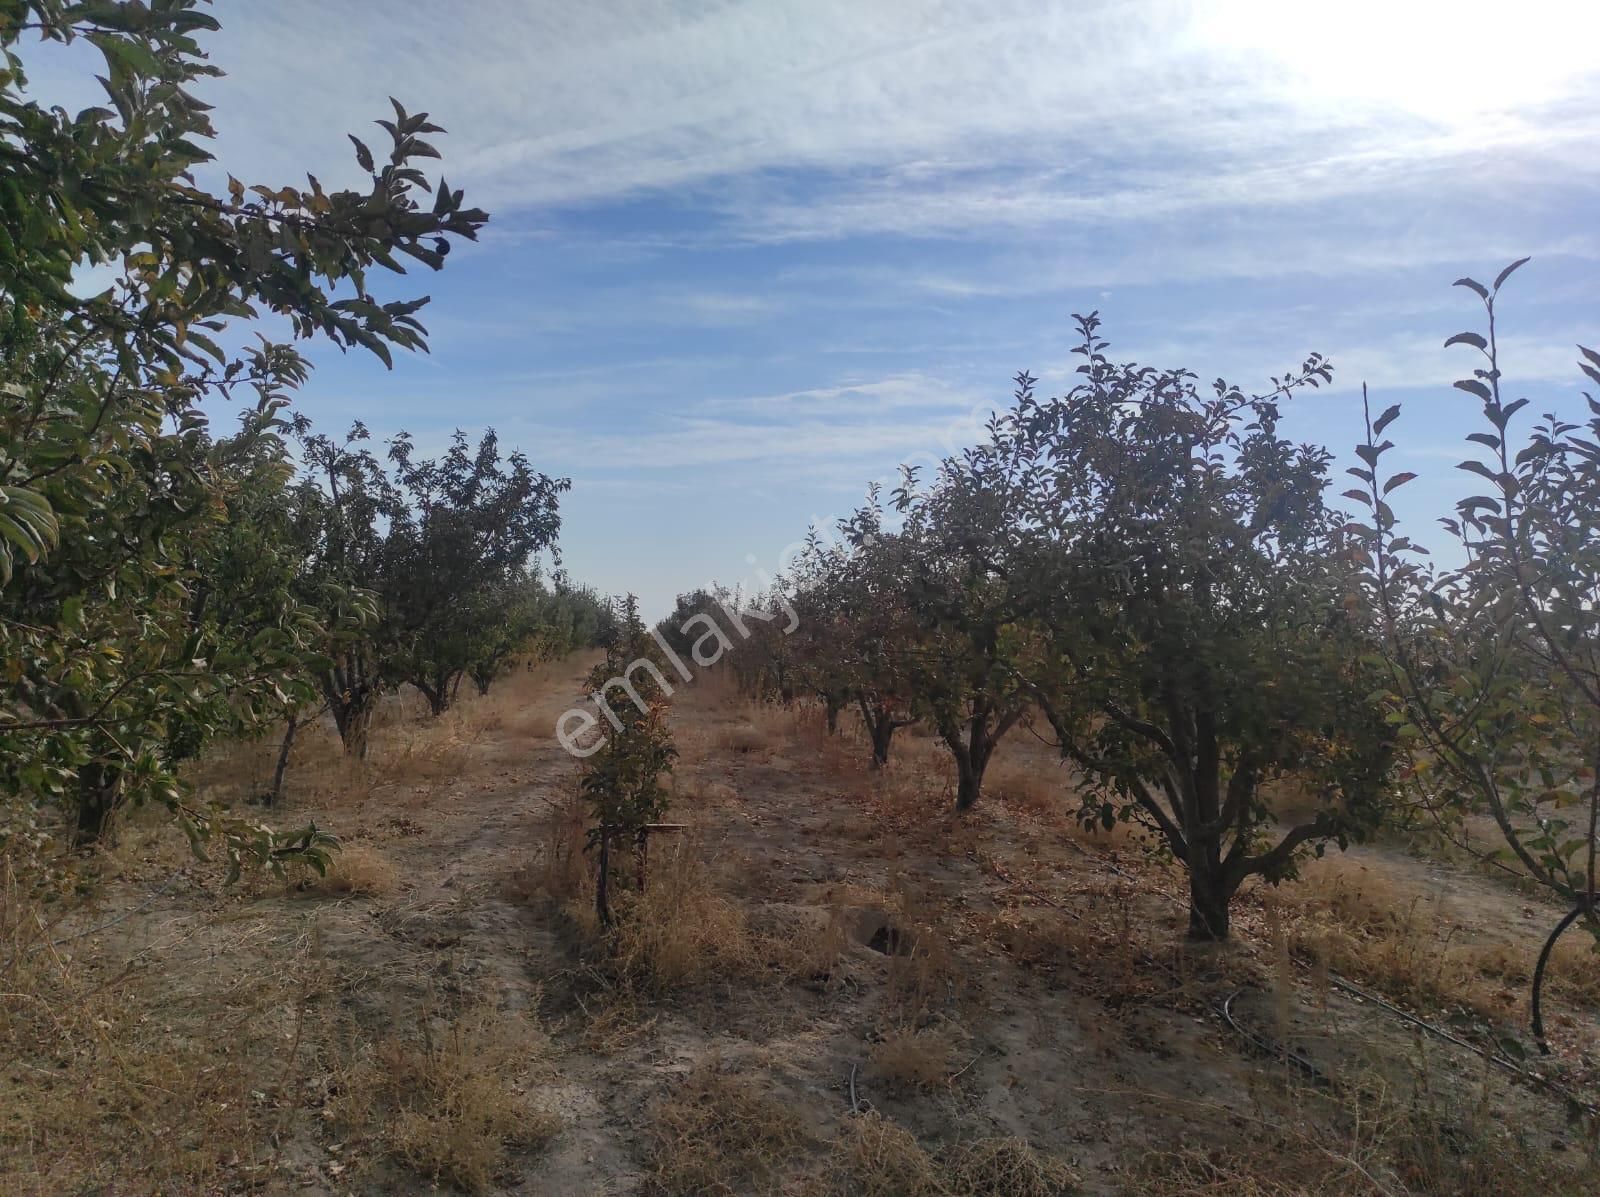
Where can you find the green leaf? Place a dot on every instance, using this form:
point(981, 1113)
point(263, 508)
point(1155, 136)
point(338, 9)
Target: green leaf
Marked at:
point(1509, 271)
point(363, 154)
point(1387, 418)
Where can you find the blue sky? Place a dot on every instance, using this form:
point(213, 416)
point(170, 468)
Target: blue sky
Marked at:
point(745, 257)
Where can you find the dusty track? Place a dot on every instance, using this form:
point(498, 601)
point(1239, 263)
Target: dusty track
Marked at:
point(1045, 995)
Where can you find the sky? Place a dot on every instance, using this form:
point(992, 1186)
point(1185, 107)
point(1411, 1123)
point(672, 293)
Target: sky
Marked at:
point(746, 257)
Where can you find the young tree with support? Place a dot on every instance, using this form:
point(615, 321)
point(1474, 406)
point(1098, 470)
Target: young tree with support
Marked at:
point(623, 779)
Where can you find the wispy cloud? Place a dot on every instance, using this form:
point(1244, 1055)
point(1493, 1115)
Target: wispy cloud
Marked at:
point(747, 255)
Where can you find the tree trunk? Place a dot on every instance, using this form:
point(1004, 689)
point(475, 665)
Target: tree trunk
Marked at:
point(882, 734)
point(438, 696)
point(969, 784)
point(353, 719)
point(972, 760)
point(283, 760)
point(351, 699)
point(1208, 906)
point(362, 726)
point(834, 706)
point(98, 788)
point(881, 726)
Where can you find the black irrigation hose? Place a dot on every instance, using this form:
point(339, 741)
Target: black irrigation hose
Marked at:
point(1538, 973)
point(1266, 1046)
point(24, 952)
point(1532, 1079)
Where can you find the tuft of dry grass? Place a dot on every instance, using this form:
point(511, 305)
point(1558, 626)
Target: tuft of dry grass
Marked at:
point(357, 870)
point(681, 931)
point(745, 738)
point(911, 1058)
point(923, 972)
point(1008, 1167)
point(718, 1133)
point(877, 1157)
point(1371, 1137)
point(448, 1101)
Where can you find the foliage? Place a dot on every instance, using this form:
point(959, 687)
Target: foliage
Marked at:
point(971, 636)
point(458, 540)
point(1197, 649)
point(854, 626)
point(1157, 572)
point(342, 503)
point(1495, 664)
point(622, 781)
point(443, 547)
point(112, 489)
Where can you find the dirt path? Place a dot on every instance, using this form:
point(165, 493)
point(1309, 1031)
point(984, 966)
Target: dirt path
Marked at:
point(832, 983)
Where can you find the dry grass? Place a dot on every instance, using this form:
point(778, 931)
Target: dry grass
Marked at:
point(876, 1157)
point(1575, 968)
point(746, 737)
point(1368, 1137)
point(682, 930)
point(410, 754)
point(357, 870)
point(802, 948)
point(718, 1133)
point(198, 1040)
point(1356, 919)
point(448, 1100)
point(138, 1075)
point(1023, 782)
point(923, 969)
point(691, 790)
point(186, 1077)
point(183, 1072)
point(1008, 1167)
point(560, 869)
point(912, 1058)
point(1100, 944)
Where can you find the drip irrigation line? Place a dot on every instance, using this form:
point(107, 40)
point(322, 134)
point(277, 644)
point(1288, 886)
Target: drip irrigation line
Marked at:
point(107, 925)
point(1223, 1010)
point(1270, 1047)
point(1532, 1079)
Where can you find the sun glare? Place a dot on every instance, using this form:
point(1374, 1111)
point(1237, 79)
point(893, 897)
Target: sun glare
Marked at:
point(1444, 60)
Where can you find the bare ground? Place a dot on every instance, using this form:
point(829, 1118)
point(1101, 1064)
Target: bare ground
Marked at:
point(831, 985)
